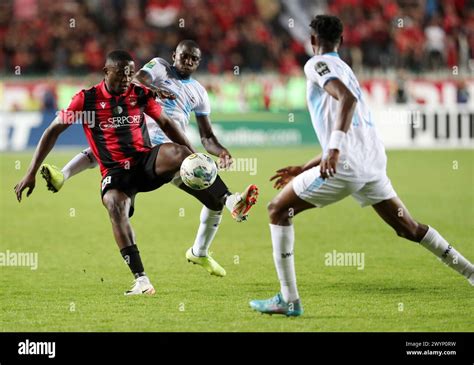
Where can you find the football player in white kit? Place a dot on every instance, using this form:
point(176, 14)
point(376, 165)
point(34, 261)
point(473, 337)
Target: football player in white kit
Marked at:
point(352, 162)
point(179, 95)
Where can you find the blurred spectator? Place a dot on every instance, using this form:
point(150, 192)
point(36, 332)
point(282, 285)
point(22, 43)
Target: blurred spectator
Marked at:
point(71, 37)
point(162, 13)
point(49, 100)
point(409, 41)
point(435, 43)
point(401, 95)
point(462, 95)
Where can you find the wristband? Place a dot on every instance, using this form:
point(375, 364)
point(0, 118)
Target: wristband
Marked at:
point(336, 139)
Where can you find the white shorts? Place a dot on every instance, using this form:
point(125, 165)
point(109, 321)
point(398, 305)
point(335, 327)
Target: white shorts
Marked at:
point(312, 188)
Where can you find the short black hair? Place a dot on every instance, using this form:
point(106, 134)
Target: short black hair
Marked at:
point(118, 55)
point(328, 28)
point(187, 43)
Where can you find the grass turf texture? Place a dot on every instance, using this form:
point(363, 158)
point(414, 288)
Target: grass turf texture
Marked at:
point(81, 276)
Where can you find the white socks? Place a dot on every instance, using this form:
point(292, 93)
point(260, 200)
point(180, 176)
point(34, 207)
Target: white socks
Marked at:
point(210, 220)
point(283, 240)
point(82, 161)
point(434, 242)
point(231, 200)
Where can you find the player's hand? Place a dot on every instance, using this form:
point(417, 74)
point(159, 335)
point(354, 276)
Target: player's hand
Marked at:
point(285, 175)
point(27, 182)
point(225, 160)
point(328, 164)
point(164, 94)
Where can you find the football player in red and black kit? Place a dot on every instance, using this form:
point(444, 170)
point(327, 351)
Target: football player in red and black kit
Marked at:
point(112, 115)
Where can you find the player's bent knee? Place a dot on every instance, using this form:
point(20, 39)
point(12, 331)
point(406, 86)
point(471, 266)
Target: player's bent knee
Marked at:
point(179, 154)
point(119, 212)
point(182, 152)
point(171, 156)
point(117, 207)
point(275, 212)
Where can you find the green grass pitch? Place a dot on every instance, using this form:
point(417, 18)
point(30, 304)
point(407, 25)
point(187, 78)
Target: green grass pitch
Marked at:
point(81, 277)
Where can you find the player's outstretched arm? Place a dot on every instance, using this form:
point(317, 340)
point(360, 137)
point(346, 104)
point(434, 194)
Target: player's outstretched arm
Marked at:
point(143, 78)
point(285, 175)
point(211, 143)
point(347, 101)
point(312, 163)
point(45, 145)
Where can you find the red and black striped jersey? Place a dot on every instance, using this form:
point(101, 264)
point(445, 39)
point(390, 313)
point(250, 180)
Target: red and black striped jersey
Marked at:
point(115, 127)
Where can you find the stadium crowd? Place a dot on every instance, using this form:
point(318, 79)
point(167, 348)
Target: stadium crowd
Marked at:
point(71, 36)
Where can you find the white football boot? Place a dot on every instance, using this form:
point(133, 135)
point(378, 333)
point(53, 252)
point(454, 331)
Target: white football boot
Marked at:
point(141, 285)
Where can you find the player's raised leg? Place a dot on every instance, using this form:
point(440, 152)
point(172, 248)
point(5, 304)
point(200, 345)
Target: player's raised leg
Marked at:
point(210, 218)
point(211, 214)
point(214, 199)
point(394, 212)
point(55, 178)
point(239, 204)
point(218, 196)
point(118, 205)
point(281, 209)
point(199, 253)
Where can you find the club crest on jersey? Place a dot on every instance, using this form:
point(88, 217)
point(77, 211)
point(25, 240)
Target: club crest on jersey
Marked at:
point(322, 68)
point(118, 110)
point(133, 101)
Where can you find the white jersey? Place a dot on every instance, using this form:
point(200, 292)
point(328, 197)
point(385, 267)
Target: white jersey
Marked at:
point(191, 96)
point(362, 156)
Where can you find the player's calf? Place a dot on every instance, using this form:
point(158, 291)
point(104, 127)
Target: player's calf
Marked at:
point(412, 231)
point(393, 212)
point(118, 205)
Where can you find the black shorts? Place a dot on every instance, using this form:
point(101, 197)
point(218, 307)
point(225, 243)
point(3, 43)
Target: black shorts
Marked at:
point(139, 178)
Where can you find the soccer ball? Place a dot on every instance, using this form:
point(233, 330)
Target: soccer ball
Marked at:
point(198, 171)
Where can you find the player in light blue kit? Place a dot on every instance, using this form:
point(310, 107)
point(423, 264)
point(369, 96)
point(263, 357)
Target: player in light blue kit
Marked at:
point(353, 162)
point(179, 95)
